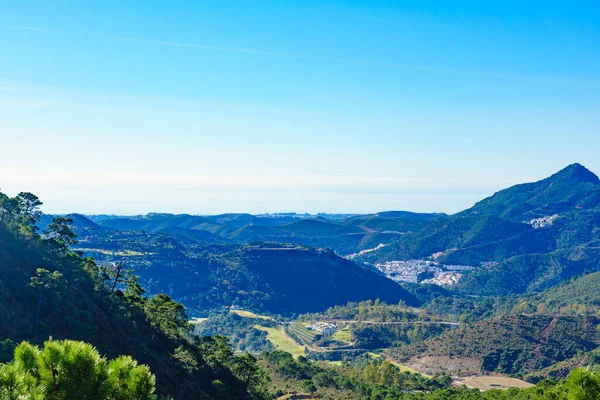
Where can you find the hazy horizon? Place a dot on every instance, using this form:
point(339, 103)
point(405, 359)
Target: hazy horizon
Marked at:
point(107, 204)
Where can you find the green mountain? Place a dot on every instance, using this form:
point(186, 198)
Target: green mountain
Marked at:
point(530, 236)
point(574, 187)
point(267, 276)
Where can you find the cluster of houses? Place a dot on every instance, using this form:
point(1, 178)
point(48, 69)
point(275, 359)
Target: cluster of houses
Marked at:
point(425, 271)
point(324, 328)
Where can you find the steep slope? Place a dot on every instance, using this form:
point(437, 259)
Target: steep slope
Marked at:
point(70, 301)
point(531, 272)
point(297, 274)
point(452, 233)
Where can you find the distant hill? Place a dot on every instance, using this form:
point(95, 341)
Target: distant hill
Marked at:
point(271, 277)
point(408, 215)
point(344, 234)
point(152, 222)
point(295, 275)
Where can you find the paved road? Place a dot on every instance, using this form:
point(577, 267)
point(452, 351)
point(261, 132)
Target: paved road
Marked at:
point(350, 321)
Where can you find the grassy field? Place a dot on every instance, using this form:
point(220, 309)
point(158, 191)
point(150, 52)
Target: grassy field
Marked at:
point(197, 320)
point(249, 314)
point(343, 335)
point(493, 382)
point(282, 342)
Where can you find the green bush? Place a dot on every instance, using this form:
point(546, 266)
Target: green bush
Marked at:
point(75, 371)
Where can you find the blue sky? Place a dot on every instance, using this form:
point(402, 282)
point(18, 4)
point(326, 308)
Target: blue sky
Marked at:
point(257, 106)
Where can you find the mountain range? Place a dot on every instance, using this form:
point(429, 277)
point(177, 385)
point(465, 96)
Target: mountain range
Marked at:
point(524, 238)
point(529, 237)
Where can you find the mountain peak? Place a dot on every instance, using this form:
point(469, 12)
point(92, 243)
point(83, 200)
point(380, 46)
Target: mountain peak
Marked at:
point(576, 172)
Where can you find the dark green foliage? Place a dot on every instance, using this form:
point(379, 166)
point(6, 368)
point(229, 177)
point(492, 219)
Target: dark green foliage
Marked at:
point(531, 272)
point(580, 295)
point(168, 315)
point(74, 371)
point(7, 348)
point(60, 231)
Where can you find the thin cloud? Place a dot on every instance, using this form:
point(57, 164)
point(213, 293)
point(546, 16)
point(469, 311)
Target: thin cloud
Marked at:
point(307, 57)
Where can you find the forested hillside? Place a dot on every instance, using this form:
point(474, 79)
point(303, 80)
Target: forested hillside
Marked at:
point(46, 290)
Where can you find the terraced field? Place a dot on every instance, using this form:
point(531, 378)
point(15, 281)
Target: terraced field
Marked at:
point(299, 332)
